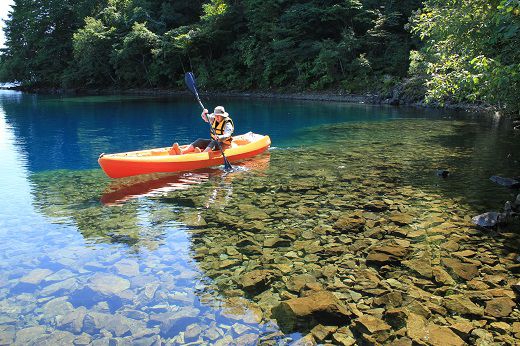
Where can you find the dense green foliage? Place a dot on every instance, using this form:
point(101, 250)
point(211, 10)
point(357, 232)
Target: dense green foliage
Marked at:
point(456, 51)
point(471, 51)
point(315, 44)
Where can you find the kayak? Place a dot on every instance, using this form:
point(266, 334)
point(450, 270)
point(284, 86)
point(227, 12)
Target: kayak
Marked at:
point(160, 160)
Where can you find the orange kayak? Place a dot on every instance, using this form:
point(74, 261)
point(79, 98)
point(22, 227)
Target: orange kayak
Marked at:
point(159, 160)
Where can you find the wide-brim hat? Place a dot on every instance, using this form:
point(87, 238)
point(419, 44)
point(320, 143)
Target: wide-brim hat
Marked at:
point(219, 110)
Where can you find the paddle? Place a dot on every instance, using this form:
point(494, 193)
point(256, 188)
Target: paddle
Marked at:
point(189, 78)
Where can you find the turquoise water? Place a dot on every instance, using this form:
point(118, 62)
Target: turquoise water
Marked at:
point(85, 258)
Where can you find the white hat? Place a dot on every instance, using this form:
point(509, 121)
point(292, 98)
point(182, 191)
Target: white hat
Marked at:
point(219, 110)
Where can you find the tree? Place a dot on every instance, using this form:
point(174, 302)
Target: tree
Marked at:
point(471, 51)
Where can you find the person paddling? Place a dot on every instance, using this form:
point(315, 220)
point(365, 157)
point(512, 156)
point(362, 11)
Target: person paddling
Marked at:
point(223, 127)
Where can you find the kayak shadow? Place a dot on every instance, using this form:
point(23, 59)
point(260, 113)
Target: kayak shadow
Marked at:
point(121, 190)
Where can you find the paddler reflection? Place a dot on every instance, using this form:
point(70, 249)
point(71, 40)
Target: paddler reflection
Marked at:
point(158, 184)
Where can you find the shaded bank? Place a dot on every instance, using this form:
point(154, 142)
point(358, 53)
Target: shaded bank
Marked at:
point(397, 97)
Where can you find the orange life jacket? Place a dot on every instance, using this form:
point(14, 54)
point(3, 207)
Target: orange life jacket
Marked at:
point(219, 129)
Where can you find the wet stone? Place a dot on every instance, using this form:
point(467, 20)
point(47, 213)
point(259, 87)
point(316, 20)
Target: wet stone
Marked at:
point(499, 307)
point(401, 219)
point(192, 332)
point(318, 305)
point(462, 305)
point(321, 332)
point(257, 280)
point(29, 335)
point(464, 271)
point(127, 267)
point(297, 282)
point(73, 321)
point(83, 339)
point(443, 336)
point(57, 337)
point(64, 286)
point(177, 319)
point(7, 334)
point(246, 339)
point(370, 324)
point(108, 284)
point(386, 254)
point(34, 277)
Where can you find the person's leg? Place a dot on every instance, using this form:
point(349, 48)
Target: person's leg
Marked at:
point(175, 149)
point(197, 146)
point(211, 145)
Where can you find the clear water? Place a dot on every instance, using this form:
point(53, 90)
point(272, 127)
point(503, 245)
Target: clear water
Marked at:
point(84, 258)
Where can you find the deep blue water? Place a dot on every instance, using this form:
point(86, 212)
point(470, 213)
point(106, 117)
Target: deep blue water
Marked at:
point(70, 132)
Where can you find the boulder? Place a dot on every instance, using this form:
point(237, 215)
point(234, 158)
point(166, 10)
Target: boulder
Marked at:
point(500, 307)
point(421, 265)
point(489, 219)
point(108, 284)
point(466, 271)
point(443, 336)
point(401, 219)
point(462, 305)
point(370, 324)
point(348, 223)
point(297, 282)
point(256, 281)
point(442, 173)
point(322, 306)
point(386, 254)
point(35, 276)
point(507, 182)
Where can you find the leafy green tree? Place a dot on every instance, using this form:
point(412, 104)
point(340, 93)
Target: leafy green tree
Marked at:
point(132, 58)
point(471, 51)
point(92, 48)
point(39, 39)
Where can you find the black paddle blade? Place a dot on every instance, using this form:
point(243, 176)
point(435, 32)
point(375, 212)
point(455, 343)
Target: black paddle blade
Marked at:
point(189, 79)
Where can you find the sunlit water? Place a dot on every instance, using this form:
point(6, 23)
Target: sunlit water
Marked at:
point(143, 259)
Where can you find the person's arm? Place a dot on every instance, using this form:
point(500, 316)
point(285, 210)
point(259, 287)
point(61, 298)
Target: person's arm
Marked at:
point(205, 116)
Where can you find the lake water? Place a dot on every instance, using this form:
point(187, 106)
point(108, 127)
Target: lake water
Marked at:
point(347, 201)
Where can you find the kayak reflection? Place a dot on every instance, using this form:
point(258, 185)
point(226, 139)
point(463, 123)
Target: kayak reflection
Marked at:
point(121, 190)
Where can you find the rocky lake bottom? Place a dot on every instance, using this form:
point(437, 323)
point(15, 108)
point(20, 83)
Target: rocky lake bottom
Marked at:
point(349, 238)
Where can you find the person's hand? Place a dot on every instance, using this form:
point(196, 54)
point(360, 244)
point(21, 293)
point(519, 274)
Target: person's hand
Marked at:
point(205, 111)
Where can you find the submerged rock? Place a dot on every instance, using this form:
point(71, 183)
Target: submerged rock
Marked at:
point(462, 305)
point(320, 306)
point(500, 307)
point(507, 182)
point(442, 173)
point(35, 276)
point(466, 271)
point(257, 280)
point(489, 219)
point(386, 254)
point(108, 284)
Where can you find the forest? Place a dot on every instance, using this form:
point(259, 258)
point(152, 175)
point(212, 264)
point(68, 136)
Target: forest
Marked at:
point(436, 51)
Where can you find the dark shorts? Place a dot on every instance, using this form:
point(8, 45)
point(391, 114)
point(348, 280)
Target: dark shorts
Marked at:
point(203, 143)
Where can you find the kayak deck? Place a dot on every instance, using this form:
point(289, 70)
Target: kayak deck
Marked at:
point(160, 160)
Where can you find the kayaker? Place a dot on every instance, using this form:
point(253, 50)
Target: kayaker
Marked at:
point(223, 126)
